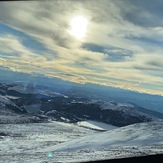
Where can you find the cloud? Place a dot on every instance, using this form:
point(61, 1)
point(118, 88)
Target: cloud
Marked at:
point(155, 63)
point(148, 13)
point(122, 47)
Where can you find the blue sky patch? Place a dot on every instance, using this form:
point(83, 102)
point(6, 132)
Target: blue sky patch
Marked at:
point(27, 40)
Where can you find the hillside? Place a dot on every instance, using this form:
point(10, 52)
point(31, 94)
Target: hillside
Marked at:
point(63, 142)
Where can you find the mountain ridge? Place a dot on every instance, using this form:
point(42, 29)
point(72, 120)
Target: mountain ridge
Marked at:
point(72, 109)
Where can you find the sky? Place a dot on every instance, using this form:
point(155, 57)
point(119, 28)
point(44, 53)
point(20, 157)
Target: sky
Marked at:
point(112, 43)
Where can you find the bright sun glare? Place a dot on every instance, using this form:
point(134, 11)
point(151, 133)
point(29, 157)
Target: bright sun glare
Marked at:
point(78, 27)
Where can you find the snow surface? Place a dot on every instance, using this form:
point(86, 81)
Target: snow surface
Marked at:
point(96, 125)
point(25, 140)
point(137, 134)
point(63, 142)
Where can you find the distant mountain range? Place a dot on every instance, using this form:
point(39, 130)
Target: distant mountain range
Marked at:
point(43, 103)
point(87, 90)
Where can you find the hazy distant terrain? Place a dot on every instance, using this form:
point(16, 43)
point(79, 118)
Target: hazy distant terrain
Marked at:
point(90, 91)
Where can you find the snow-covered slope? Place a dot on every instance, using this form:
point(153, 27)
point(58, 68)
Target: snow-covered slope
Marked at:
point(96, 125)
point(63, 142)
point(12, 114)
point(22, 142)
point(7, 105)
point(133, 135)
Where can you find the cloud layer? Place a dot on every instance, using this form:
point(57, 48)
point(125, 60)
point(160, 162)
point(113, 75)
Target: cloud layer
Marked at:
point(122, 48)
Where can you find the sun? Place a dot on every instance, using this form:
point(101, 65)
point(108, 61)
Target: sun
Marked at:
point(78, 27)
